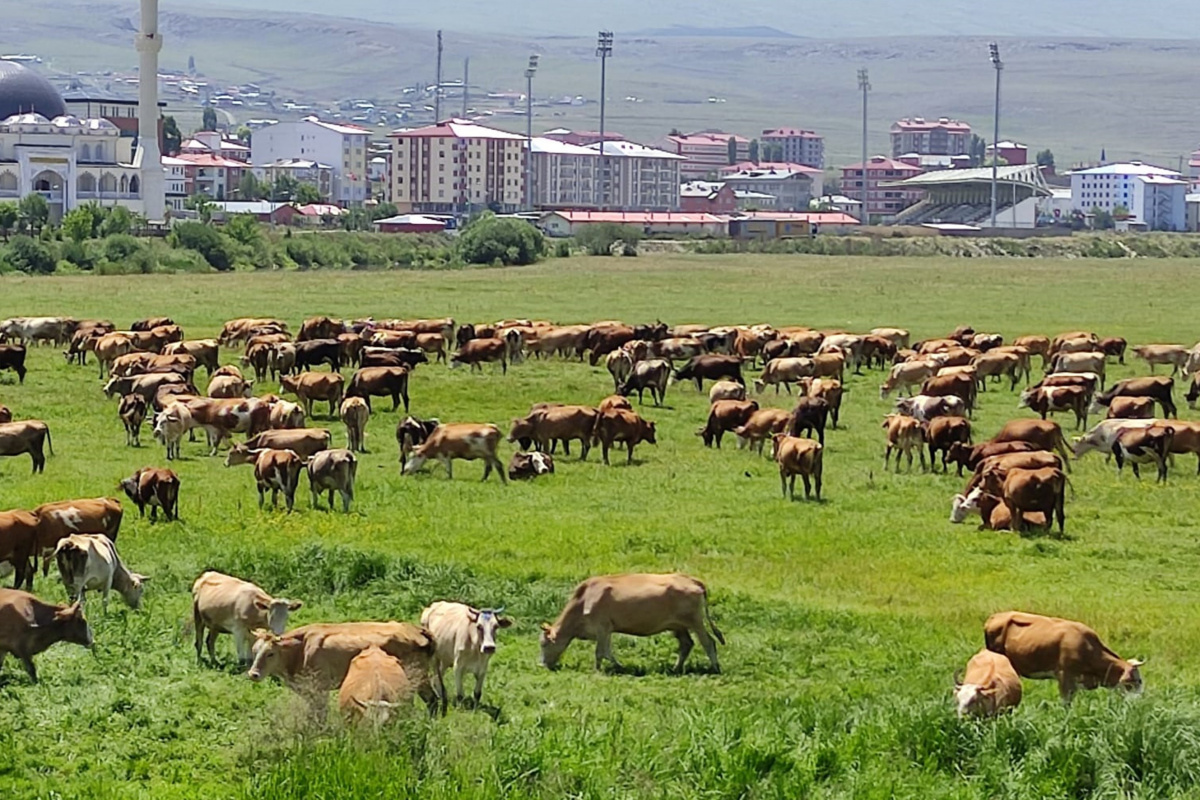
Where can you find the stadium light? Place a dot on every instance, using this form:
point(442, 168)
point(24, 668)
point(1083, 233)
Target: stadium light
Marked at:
point(604, 47)
point(994, 54)
point(530, 71)
point(864, 85)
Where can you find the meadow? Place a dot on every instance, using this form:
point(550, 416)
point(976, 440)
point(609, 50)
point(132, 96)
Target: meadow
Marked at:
point(845, 619)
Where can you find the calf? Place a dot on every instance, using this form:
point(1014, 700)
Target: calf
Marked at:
point(157, 488)
point(1049, 399)
point(90, 561)
point(355, 412)
point(29, 626)
point(225, 604)
point(523, 466)
point(274, 470)
point(465, 640)
point(132, 411)
point(626, 427)
point(762, 425)
point(1144, 446)
point(798, 456)
point(381, 382)
point(725, 415)
point(989, 687)
point(653, 374)
point(375, 684)
point(904, 434)
point(466, 441)
point(942, 434)
point(478, 351)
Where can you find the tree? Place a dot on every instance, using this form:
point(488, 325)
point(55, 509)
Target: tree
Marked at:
point(977, 150)
point(772, 153)
point(208, 121)
point(249, 187)
point(244, 134)
point(243, 228)
point(1045, 159)
point(172, 137)
point(383, 211)
point(754, 150)
point(81, 223)
point(306, 193)
point(284, 189)
point(1120, 212)
point(9, 214)
point(203, 205)
point(30, 255)
point(512, 242)
point(732, 150)
point(34, 211)
point(206, 241)
point(1101, 219)
point(599, 239)
point(117, 222)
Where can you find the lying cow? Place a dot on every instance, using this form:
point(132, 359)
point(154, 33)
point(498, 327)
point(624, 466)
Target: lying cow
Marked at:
point(636, 605)
point(225, 604)
point(466, 441)
point(29, 626)
point(375, 685)
point(465, 640)
point(989, 687)
point(157, 488)
point(523, 466)
point(89, 561)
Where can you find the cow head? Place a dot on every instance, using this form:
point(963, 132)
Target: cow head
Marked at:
point(962, 505)
point(973, 699)
point(276, 611)
point(415, 461)
point(552, 646)
point(1131, 676)
point(522, 432)
point(137, 585)
point(1026, 398)
point(648, 432)
point(72, 626)
point(241, 454)
point(486, 622)
point(959, 453)
point(130, 486)
point(267, 655)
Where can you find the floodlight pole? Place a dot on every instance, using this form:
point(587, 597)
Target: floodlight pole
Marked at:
point(864, 84)
point(530, 71)
point(999, 65)
point(604, 46)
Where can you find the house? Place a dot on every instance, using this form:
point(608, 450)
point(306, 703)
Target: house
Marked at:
point(799, 146)
point(216, 143)
point(786, 225)
point(1011, 153)
point(706, 152)
point(569, 223)
point(319, 213)
point(457, 166)
point(410, 223)
point(212, 175)
point(582, 138)
point(941, 137)
point(1193, 212)
point(343, 147)
point(262, 210)
point(746, 166)
point(792, 189)
point(707, 197)
point(175, 188)
point(1154, 196)
point(880, 202)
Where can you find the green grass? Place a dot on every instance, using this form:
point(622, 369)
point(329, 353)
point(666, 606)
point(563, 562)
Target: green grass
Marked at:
point(845, 619)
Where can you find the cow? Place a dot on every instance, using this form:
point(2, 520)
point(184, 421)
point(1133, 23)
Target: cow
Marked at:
point(313, 386)
point(960, 386)
point(523, 466)
point(380, 382)
point(132, 411)
point(478, 351)
point(964, 455)
point(989, 687)
point(150, 323)
point(726, 390)
point(877, 351)
point(907, 375)
point(225, 604)
point(997, 467)
point(465, 640)
point(229, 386)
point(236, 330)
point(925, 407)
point(1158, 388)
point(677, 349)
point(998, 364)
point(169, 426)
point(5, 414)
point(392, 357)
point(304, 442)
point(809, 415)
point(828, 389)
point(462, 440)
point(1068, 651)
point(332, 471)
point(319, 351)
point(352, 345)
point(59, 519)
point(725, 415)
point(1103, 435)
point(942, 434)
point(18, 544)
point(355, 412)
point(1130, 408)
point(31, 330)
point(12, 356)
point(762, 425)
point(626, 427)
point(205, 351)
point(1114, 347)
point(1035, 344)
point(798, 456)
point(142, 363)
point(375, 685)
point(27, 436)
point(111, 346)
point(904, 435)
point(1086, 361)
point(897, 336)
point(604, 337)
point(1153, 354)
point(260, 357)
point(1138, 446)
point(146, 385)
point(619, 364)
point(711, 367)
point(1090, 381)
point(995, 515)
point(785, 371)
point(90, 561)
point(636, 605)
point(653, 374)
point(319, 328)
point(28, 626)
point(393, 339)
point(274, 470)
point(652, 333)
point(411, 432)
point(1042, 489)
point(157, 488)
point(1050, 399)
point(545, 426)
point(848, 344)
point(218, 417)
point(614, 402)
point(285, 415)
point(1044, 433)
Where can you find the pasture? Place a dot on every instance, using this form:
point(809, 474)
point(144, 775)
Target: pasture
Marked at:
point(845, 619)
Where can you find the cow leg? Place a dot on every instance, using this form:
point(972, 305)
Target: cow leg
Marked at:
point(480, 677)
point(604, 445)
point(699, 384)
point(261, 496)
point(27, 662)
point(1134, 465)
point(1066, 688)
point(783, 482)
point(792, 486)
point(887, 456)
point(584, 446)
point(921, 452)
point(499, 469)
point(316, 500)
point(447, 463)
point(629, 460)
point(807, 485)
point(604, 649)
point(347, 496)
point(459, 669)
point(710, 647)
point(566, 443)
point(685, 648)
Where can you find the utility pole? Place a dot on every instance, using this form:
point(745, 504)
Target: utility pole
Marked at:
point(530, 71)
point(864, 85)
point(604, 46)
point(437, 87)
point(466, 84)
point(994, 53)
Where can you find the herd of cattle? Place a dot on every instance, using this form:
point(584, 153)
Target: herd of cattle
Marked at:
point(1018, 477)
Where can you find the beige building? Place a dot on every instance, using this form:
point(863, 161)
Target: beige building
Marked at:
point(457, 166)
point(626, 176)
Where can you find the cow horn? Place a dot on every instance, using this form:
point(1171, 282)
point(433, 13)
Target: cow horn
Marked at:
point(498, 611)
point(1136, 662)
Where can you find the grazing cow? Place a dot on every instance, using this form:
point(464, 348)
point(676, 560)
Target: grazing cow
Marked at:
point(653, 374)
point(27, 436)
point(1160, 389)
point(1035, 344)
point(897, 336)
point(393, 339)
point(18, 544)
point(1153, 354)
point(375, 685)
point(380, 382)
point(89, 561)
point(319, 351)
point(465, 640)
point(998, 365)
point(1045, 433)
point(619, 364)
point(60, 519)
point(997, 467)
point(392, 357)
point(355, 412)
point(711, 367)
point(274, 470)
point(12, 356)
point(332, 471)
point(762, 425)
point(1090, 381)
point(942, 434)
point(146, 385)
point(726, 390)
point(545, 426)
point(725, 415)
point(304, 442)
point(964, 455)
point(150, 323)
point(808, 416)
point(157, 488)
point(29, 626)
point(626, 427)
point(828, 389)
point(132, 411)
point(218, 418)
point(636, 605)
point(925, 408)
point(477, 351)
point(995, 515)
point(523, 466)
point(411, 432)
point(604, 337)
point(989, 687)
point(1068, 651)
point(1023, 490)
point(784, 371)
point(798, 456)
point(614, 402)
point(237, 330)
point(1050, 399)
point(319, 328)
point(310, 387)
point(904, 435)
point(142, 363)
point(907, 375)
point(877, 350)
point(1103, 435)
point(462, 440)
point(1114, 347)
point(960, 386)
point(1144, 446)
point(1130, 408)
point(230, 386)
point(225, 604)
point(1087, 361)
point(205, 351)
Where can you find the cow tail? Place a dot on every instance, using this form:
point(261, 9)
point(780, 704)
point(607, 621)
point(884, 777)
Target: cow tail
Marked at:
point(49, 442)
point(708, 617)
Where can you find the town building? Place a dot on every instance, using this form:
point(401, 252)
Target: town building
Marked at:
point(262, 210)
point(707, 197)
point(570, 223)
point(626, 176)
point(792, 189)
point(940, 137)
point(706, 152)
point(1193, 212)
point(879, 202)
point(302, 171)
point(961, 199)
point(211, 175)
point(787, 225)
point(176, 183)
point(343, 147)
point(409, 223)
point(456, 166)
point(582, 138)
point(799, 146)
point(217, 144)
point(1011, 153)
point(1153, 196)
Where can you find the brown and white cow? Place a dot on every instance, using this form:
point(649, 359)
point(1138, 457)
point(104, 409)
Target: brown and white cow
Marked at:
point(1150, 445)
point(653, 374)
point(411, 432)
point(225, 604)
point(305, 442)
point(1051, 399)
point(355, 412)
point(132, 411)
point(465, 640)
point(461, 440)
point(524, 466)
point(274, 471)
point(989, 686)
point(1023, 490)
point(28, 626)
point(157, 488)
point(375, 685)
point(1175, 355)
point(89, 561)
point(904, 435)
point(61, 518)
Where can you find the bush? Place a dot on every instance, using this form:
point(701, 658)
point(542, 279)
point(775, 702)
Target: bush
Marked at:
point(206, 241)
point(599, 239)
point(76, 253)
point(120, 247)
point(31, 255)
point(512, 242)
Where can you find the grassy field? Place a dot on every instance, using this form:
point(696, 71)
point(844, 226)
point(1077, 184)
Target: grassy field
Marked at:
point(845, 619)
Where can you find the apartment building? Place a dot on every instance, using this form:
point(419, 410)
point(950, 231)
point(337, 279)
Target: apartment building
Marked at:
point(880, 202)
point(792, 188)
point(456, 166)
point(626, 175)
point(795, 145)
point(706, 152)
point(343, 147)
point(940, 137)
point(301, 170)
point(1154, 197)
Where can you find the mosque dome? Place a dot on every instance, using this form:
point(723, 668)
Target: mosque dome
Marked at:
point(24, 91)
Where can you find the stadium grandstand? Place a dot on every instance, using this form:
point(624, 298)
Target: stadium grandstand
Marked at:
point(963, 197)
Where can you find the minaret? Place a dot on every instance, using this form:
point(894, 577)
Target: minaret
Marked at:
point(149, 157)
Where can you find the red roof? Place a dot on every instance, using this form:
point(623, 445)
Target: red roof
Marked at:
point(708, 137)
point(640, 217)
point(210, 160)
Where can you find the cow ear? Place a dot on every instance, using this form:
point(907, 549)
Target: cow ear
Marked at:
point(261, 605)
point(505, 622)
point(295, 605)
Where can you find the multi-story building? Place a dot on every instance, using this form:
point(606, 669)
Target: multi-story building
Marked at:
point(217, 144)
point(706, 152)
point(456, 166)
point(582, 138)
point(792, 189)
point(563, 175)
point(211, 175)
point(795, 145)
point(176, 183)
point(1153, 196)
point(312, 173)
point(343, 147)
point(707, 197)
point(940, 137)
point(1013, 154)
point(880, 202)
point(635, 177)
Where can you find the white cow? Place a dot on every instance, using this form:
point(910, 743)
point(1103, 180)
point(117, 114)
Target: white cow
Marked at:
point(90, 561)
point(225, 604)
point(465, 639)
point(1104, 435)
point(171, 424)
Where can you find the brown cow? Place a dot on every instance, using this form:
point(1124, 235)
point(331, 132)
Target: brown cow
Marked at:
point(762, 425)
point(546, 426)
point(725, 415)
point(1130, 408)
point(310, 387)
point(798, 456)
point(960, 386)
point(614, 402)
point(1158, 388)
point(6, 414)
point(711, 367)
point(1050, 399)
point(1068, 651)
point(942, 433)
point(904, 434)
point(1114, 347)
point(28, 626)
point(380, 381)
point(626, 427)
point(1046, 434)
point(18, 544)
point(601, 339)
point(462, 440)
point(375, 684)
point(1024, 490)
point(274, 470)
point(1001, 464)
point(967, 456)
point(305, 442)
point(62, 518)
point(27, 436)
point(477, 351)
point(157, 488)
point(319, 328)
point(355, 412)
point(1174, 354)
point(433, 343)
point(205, 351)
point(989, 687)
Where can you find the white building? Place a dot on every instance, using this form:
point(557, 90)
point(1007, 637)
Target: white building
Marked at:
point(1155, 197)
point(342, 147)
point(637, 178)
